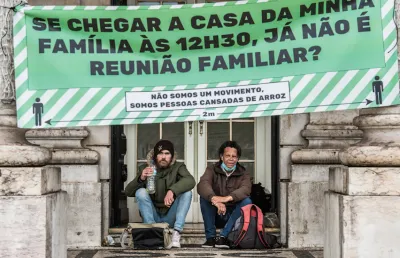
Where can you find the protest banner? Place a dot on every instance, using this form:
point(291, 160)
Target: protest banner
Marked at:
point(92, 65)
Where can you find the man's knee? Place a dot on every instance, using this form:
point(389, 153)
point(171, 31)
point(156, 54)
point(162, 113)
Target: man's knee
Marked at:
point(141, 194)
point(185, 197)
point(205, 204)
point(187, 194)
point(245, 201)
point(204, 201)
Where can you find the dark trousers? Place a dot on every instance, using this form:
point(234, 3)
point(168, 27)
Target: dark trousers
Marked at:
point(212, 220)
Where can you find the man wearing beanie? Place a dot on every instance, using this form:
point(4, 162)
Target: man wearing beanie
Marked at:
point(224, 189)
point(171, 201)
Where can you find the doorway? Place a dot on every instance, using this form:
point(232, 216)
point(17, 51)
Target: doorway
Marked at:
point(196, 144)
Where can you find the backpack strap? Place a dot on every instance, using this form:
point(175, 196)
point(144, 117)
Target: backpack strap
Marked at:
point(260, 227)
point(245, 211)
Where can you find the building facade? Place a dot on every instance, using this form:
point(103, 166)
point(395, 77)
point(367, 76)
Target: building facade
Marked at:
point(333, 176)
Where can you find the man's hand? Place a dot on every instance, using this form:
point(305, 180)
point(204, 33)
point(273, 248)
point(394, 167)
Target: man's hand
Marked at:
point(221, 208)
point(169, 198)
point(146, 173)
point(221, 199)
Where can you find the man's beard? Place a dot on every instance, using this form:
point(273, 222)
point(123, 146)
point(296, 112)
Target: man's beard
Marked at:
point(163, 163)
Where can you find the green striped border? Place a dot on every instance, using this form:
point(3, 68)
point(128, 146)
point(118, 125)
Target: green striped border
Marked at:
point(310, 93)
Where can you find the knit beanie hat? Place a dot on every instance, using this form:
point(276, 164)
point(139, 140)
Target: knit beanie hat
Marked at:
point(163, 145)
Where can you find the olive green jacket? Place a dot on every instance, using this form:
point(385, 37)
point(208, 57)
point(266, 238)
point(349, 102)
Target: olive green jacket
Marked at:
point(175, 178)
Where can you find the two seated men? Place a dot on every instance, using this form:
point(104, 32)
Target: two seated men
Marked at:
point(224, 188)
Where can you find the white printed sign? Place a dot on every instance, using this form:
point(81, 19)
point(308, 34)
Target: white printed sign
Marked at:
point(209, 114)
point(208, 98)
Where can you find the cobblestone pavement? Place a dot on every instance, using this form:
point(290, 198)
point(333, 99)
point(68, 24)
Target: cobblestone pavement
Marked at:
point(194, 252)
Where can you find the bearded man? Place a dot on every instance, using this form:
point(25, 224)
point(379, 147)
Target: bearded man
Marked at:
point(173, 183)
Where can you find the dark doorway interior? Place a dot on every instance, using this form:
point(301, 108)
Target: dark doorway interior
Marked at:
point(119, 210)
point(275, 169)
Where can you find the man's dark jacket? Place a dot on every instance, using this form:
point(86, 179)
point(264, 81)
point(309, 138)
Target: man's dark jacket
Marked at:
point(214, 182)
point(176, 178)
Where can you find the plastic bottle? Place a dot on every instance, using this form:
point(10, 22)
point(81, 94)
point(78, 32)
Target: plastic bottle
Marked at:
point(151, 181)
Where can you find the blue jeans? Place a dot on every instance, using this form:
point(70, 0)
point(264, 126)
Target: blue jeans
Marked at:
point(210, 216)
point(175, 216)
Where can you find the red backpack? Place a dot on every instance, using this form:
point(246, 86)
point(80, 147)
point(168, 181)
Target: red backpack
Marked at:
point(248, 231)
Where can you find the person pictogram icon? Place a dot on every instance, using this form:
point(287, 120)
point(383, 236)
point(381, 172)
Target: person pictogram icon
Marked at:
point(38, 111)
point(377, 87)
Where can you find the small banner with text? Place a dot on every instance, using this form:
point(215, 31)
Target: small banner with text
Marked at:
point(109, 65)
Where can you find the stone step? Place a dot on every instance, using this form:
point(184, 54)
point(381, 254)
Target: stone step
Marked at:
point(192, 240)
point(190, 231)
point(191, 236)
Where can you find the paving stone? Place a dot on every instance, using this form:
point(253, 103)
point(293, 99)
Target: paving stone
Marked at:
point(194, 252)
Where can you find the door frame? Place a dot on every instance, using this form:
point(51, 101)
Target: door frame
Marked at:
point(131, 161)
point(129, 145)
point(262, 134)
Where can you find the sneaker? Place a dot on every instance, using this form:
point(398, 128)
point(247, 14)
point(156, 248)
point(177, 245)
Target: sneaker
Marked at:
point(176, 239)
point(210, 243)
point(222, 242)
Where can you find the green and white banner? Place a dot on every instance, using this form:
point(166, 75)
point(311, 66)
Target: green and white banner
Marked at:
point(98, 65)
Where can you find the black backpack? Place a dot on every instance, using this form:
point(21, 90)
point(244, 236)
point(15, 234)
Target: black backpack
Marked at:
point(248, 231)
point(261, 197)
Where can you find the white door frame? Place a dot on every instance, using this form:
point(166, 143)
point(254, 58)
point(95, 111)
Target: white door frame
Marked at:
point(263, 145)
point(262, 133)
point(196, 161)
point(131, 161)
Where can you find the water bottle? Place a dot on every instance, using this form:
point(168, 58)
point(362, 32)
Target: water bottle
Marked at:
point(151, 181)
